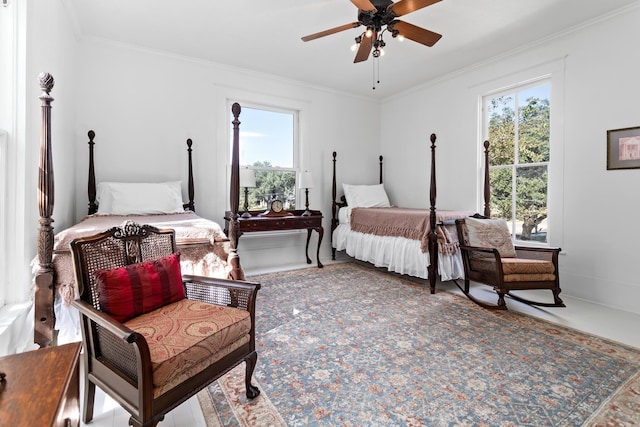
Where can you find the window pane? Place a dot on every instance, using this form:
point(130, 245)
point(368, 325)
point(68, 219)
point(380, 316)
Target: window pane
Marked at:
point(501, 130)
point(266, 137)
point(533, 124)
point(531, 204)
point(501, 189)
point(270, 183)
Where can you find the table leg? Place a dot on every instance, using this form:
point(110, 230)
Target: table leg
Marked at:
point(306, 250)
point(320, 231)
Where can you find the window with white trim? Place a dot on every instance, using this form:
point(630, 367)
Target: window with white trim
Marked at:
point(517, 124)
point(269, 147)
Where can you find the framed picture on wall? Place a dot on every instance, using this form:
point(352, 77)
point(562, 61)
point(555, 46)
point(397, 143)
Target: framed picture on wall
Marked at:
point(623, 148)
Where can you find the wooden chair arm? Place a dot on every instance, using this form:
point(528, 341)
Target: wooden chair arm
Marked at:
point(230, 293)
point(106, 322)
point(472, 249)
point(532, 252)
point(125, 351)
point(536, 249)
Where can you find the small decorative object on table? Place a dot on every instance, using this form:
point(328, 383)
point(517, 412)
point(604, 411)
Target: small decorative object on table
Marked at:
point(276, 208)
point(306, 182)
point(247, 179)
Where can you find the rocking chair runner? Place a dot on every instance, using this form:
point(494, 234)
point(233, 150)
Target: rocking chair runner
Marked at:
point(145, 344)
point(490, 257)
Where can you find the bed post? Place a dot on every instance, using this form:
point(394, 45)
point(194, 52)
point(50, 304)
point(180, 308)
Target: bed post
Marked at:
point(380, 158)
point(334, 208)
point(487, 188)
point(191, 204)
point(44, 281)
point(234, 196)
point(433, 236)
point(91, 190)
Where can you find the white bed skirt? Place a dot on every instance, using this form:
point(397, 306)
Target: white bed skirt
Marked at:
point(397, 254)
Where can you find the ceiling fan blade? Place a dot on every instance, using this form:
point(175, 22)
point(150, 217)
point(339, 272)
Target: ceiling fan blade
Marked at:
point(365, 5)
point(330, 31)
point(417, 34)
point(365, 47)
point(403, 7)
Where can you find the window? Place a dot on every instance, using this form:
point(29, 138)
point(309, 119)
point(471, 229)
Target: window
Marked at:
point(517, 124)
point(268, 145)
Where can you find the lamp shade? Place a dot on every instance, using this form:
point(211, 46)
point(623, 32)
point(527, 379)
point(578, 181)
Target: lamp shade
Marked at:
point(306, 180)
point(247, 177)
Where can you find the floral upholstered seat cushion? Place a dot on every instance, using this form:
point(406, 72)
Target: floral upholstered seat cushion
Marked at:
point(186, 336)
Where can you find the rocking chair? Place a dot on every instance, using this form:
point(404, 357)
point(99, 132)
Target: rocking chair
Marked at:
point(153, 338)
point(490, 257)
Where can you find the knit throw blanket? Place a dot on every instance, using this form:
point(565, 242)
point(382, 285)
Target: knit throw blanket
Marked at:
point(408, 223)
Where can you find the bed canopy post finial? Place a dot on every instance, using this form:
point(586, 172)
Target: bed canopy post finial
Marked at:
point(487, 189)
point(91, 190)
point(380, 158)
point(44, 289)
point(433, 236)
point(234, 195)
point(191, 205)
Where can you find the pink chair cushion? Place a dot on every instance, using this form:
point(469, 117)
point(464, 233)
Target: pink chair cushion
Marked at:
point(135, 289)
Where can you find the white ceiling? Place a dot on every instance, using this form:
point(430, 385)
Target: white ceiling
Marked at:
point(264, 36)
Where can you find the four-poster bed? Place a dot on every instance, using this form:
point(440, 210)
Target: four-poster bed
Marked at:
point(205, 249)
point(417, 242)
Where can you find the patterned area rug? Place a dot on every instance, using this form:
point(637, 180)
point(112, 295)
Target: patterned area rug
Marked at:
point(349, 345)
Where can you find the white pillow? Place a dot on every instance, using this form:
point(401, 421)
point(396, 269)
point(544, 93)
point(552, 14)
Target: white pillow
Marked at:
point(366, 196)
point(124, 198)
point(103, 197)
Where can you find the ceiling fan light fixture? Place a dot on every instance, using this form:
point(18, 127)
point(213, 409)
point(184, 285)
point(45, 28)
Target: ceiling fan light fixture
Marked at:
point(369, 32)
point(396, 35)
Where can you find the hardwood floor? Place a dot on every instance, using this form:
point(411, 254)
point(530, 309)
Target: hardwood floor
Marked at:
point(617, 325)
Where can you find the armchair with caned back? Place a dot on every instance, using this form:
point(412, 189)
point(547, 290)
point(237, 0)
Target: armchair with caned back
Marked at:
point(489, 257)
point(153, 338)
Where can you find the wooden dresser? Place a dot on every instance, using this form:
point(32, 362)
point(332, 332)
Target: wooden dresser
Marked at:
point(41, 387)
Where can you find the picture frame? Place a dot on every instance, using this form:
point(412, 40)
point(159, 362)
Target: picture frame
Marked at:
point(623, 148)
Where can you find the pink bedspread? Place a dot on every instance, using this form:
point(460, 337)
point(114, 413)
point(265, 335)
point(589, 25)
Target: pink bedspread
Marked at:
point(203, 246)
point(189, 228)
point(408, 223)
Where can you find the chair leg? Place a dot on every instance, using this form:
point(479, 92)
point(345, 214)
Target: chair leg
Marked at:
point(501, 303)
point(89, 399)
point(556, 298)
point(135, 423)
point(250, 364)
point(465, 291)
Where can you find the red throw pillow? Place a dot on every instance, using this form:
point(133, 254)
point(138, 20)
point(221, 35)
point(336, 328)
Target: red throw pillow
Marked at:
point(132, 290)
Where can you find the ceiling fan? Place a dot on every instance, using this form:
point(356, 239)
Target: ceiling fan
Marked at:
point(377, 14)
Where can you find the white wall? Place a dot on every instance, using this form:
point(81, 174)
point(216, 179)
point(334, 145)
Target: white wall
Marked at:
point(144, 105)
point(601, 91)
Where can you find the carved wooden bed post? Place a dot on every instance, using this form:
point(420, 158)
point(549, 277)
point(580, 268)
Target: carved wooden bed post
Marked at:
point(487, 189)
point(433, 235)
point(44, 282)
point(234, 196)
point(91, 190)
point(191, 205)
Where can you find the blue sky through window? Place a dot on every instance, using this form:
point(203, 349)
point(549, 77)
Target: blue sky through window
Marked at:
point(266, 136)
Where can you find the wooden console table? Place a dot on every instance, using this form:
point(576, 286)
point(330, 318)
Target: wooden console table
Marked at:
point(41, 387)
point(290, 222)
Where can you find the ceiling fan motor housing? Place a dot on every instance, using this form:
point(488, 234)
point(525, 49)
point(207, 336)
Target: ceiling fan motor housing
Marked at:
point(378, 19)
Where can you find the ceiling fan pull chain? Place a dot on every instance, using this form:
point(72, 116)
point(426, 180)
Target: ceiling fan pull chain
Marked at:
point(373, 74)
point(376, 73)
